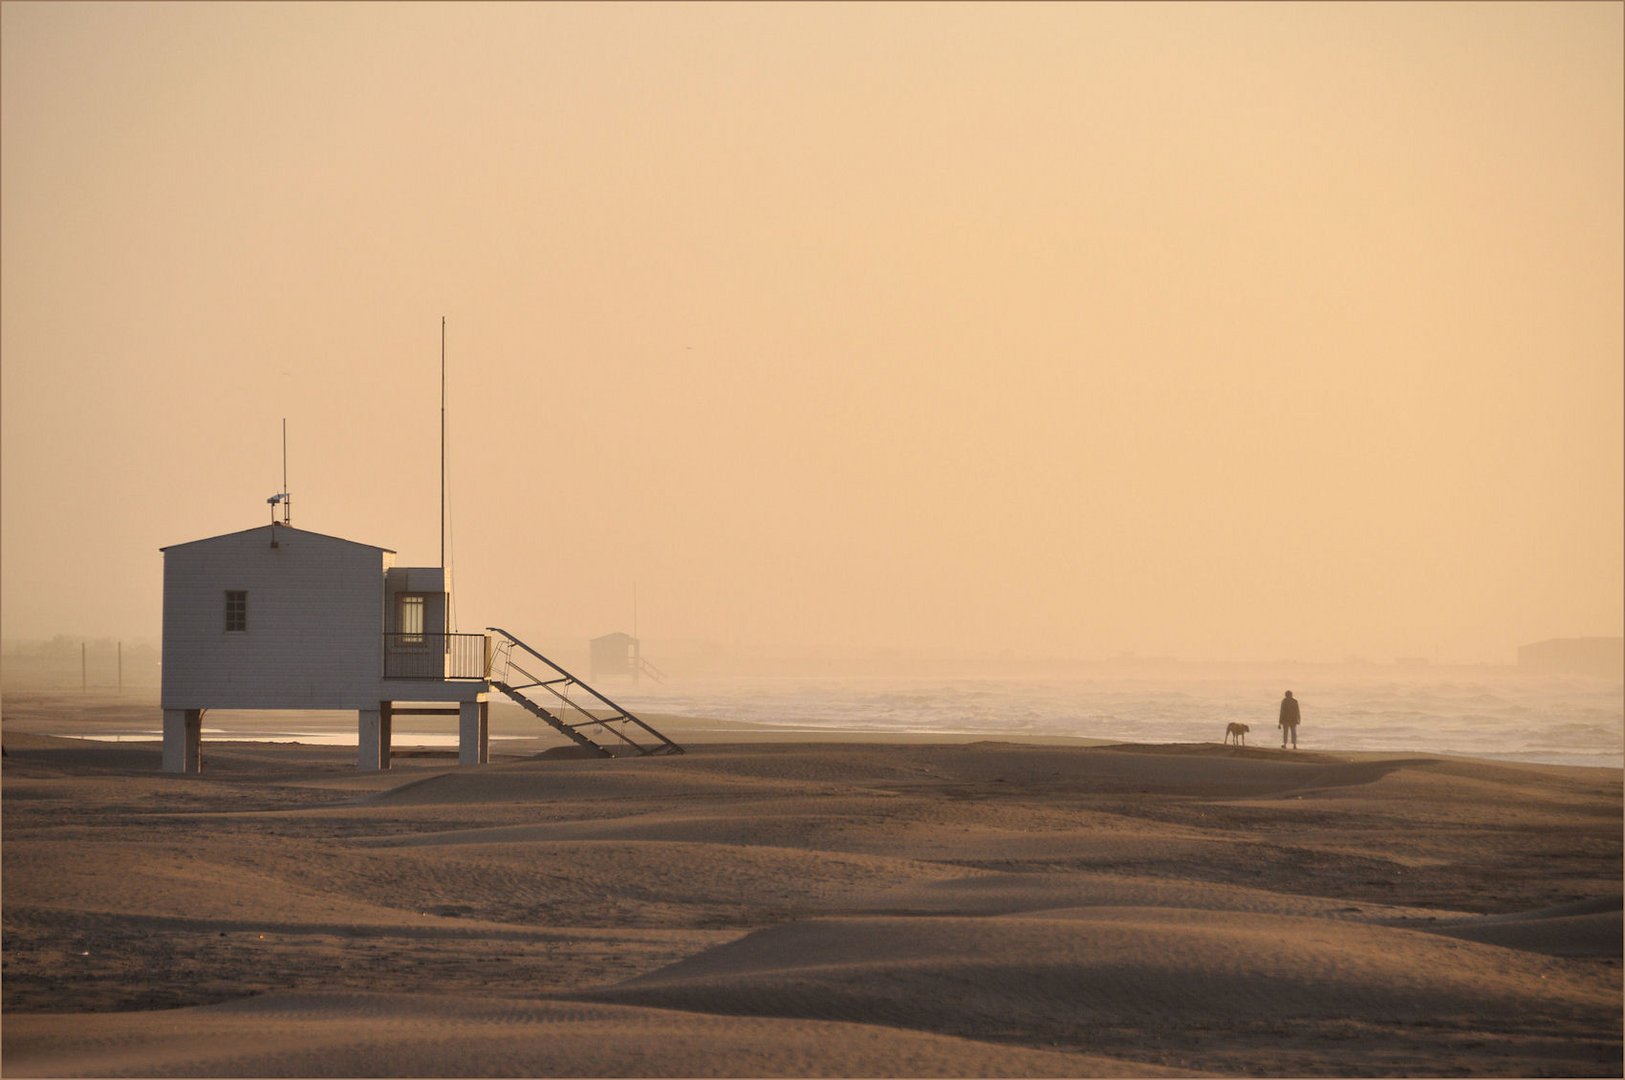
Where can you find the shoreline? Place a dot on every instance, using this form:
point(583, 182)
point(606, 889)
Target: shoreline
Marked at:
point(510, 748)
point(93, 716)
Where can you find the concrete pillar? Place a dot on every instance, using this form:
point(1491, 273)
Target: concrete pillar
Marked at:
point(183, 740)
point(473, 733)
point(373, 733)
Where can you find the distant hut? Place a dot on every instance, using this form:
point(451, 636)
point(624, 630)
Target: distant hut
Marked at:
point(620, 656)
point(615, 656)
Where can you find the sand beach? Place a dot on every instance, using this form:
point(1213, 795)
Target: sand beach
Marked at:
point(774, 907)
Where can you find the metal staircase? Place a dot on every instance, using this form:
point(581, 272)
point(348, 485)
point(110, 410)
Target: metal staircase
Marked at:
point(580, 722)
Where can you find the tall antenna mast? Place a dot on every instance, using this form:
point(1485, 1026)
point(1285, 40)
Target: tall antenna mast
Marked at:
point(442, 452)
point(287, 500)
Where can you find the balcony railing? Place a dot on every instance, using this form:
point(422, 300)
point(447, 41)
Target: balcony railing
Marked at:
point(437, 656)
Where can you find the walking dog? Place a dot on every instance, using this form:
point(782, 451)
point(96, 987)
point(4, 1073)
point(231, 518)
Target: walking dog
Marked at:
point(1237, 732)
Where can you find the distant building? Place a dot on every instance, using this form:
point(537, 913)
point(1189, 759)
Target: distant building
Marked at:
point(1602, 656)
point(614, 655)
point(620, 656)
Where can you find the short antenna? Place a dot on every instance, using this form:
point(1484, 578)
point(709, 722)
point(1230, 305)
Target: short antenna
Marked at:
point(282, 496)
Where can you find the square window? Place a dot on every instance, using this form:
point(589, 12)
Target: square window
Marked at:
point(236, 610)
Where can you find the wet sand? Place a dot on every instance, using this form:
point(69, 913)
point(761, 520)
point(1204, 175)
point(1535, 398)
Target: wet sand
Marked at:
point(763, 907)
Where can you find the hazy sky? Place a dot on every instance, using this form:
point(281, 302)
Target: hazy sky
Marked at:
point(1224, 331)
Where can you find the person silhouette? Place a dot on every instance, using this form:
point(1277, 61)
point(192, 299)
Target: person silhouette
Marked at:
point(1289, 720)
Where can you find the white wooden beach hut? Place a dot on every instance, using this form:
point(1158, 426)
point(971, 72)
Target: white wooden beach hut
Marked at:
point(281, 618)
point(276, 617)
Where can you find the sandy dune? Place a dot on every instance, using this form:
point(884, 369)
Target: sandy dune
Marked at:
point(385, 1034)
point(1191, 969)
point(808, 909)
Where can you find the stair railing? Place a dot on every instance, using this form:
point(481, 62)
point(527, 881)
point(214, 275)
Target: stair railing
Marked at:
point(561, 678)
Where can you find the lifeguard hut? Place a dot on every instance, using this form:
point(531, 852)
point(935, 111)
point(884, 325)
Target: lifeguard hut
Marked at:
point(619, 655)
point(276, 617)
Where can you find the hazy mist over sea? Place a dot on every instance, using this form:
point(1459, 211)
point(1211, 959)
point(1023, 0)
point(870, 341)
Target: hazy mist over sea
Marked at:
point(1558, 719)
point(1481, 711)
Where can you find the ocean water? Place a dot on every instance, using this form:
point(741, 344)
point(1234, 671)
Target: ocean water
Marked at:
point(1487, 713)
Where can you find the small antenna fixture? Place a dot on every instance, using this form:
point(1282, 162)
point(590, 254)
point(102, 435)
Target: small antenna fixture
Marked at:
point(282, 497)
